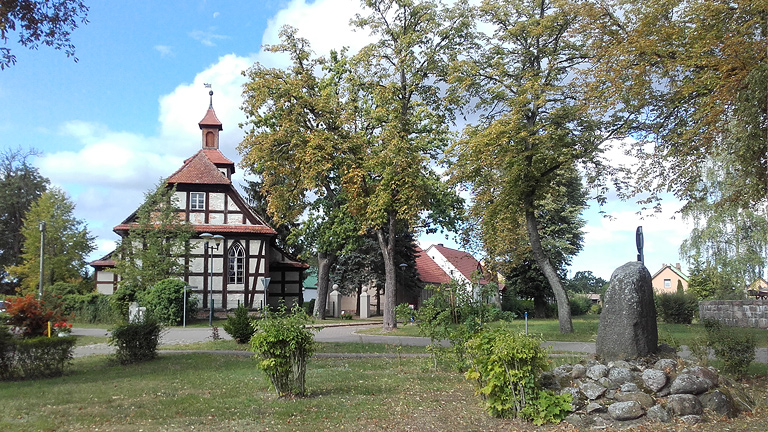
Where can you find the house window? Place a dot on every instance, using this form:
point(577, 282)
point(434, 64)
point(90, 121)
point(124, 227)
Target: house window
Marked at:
point(197, 201)
point(236, 263)
point(667, 283)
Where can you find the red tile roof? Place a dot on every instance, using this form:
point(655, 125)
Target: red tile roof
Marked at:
point(105, 261)
point(217, 157)
point(428, 270)
point(210, 119)
point(199, 169)
point(463, 261)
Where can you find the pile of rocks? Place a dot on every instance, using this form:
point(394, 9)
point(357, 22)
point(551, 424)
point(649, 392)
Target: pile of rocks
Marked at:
point(622, 393)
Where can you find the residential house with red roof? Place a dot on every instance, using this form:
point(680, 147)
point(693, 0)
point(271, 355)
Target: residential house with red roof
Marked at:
point(244, 265)
point(456, 265)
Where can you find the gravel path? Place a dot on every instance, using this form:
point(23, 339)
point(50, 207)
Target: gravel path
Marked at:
point(328, 333)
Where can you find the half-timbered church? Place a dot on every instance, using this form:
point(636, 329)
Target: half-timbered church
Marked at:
point(241, 263)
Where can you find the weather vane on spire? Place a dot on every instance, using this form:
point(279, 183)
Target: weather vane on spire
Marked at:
point(210, 93)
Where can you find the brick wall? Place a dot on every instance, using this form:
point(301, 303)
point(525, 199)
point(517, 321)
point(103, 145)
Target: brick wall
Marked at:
point(736, 313)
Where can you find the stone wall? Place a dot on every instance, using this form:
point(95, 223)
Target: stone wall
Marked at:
point(736, 313)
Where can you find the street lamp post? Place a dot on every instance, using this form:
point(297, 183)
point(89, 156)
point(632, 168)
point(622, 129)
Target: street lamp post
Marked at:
point(42, 258)
point(210, 248)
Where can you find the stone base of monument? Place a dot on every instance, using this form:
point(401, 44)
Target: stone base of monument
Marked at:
point(619, 394)
point(627, 326)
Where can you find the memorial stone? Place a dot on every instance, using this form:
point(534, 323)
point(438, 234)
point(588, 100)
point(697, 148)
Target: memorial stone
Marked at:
point(627, 326)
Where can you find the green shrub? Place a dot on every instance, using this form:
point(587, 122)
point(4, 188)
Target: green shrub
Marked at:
point(676, 308)
point(239, 325)
point(43, 357)
point(595, 309)
point(30, 358)
point(136, 342)
point(547, 407)
point(404, 313)
point(6, 353)
point(63, 288)
point(510, 302)
point(165, 301)
point(92, 308)
point(309, 307)
point(121, 299)
point(505, 366)
point(283, 344)
point(579, 305)
point(735, 349)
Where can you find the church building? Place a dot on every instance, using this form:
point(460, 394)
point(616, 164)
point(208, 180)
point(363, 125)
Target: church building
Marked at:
point(242, 264)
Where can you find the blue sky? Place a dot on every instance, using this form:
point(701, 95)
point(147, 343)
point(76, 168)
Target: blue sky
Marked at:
point(125, 115)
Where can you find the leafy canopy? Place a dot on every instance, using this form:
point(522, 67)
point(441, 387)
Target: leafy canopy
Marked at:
point(66, 246)
point(47, 22)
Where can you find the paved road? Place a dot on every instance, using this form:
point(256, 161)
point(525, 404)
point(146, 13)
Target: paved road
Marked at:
point(329, 333)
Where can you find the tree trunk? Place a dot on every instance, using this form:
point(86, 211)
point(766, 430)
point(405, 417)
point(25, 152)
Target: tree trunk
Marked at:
point(324, 263)
point(387, 245)
point(563, 307)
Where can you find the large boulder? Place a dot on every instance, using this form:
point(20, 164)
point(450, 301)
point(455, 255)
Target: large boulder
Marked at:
point(627, 326)
point(626, 410)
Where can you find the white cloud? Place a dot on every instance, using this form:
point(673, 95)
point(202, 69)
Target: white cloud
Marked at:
point(164, 50)
point(208, 37)
point(609, 242)
point(122, 165)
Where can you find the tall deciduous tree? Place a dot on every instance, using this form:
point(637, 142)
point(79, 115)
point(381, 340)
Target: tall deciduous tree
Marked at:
point(299, 139)
point(558, 215)
point(47, 22)
point(586, 282)
point(535, 125)
point(686, 72)
point(20, 185)
point(363, 264)
point(67, 243)
point(392, 181)
point(156, 244)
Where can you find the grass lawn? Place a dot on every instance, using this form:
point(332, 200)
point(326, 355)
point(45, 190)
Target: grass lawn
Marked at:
point(222, 393)
point(585, 330)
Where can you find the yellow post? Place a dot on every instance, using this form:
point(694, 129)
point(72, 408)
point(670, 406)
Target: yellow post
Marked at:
point(49, 329)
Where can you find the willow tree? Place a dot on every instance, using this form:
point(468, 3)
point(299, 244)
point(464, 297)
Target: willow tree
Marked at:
point(534, 122)
point(299, 140)
point(392, 184)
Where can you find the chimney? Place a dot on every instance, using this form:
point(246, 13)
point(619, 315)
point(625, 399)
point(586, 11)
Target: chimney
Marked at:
point(677, 266)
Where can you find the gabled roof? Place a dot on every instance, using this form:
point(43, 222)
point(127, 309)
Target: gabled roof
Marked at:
point(428, 270)
point(674, 269)
point(199, 169)
point(105, 261)
point(463, 261)
point(217, 157)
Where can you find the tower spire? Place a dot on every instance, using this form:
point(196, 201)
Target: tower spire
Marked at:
point(210, 125)
point(210, 93)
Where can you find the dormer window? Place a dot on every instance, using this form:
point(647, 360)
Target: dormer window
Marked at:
point(197, 201)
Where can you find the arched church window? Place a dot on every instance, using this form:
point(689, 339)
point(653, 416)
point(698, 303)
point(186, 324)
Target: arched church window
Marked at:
point(236, 263)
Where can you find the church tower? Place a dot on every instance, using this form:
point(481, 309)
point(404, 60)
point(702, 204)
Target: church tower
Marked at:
point(210, 126)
